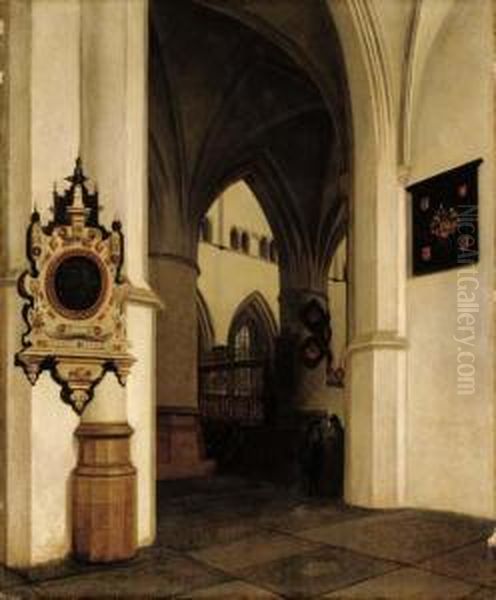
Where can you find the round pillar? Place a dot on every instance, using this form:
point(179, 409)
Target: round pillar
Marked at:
point(113, 121)
point(180, 447)
point(303, 398)
point(305, 333)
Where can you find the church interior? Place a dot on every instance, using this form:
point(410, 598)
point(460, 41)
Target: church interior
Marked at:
point(247, 299)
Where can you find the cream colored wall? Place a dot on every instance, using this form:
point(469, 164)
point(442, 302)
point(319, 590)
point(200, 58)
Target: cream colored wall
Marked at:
point(450, 437)
point(45, 74)
point(425, 95)
point(227, 277)
point(238, 207)
point(40, 447)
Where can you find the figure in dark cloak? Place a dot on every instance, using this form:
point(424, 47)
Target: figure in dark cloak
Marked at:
point(312, 457)
point(333, 475)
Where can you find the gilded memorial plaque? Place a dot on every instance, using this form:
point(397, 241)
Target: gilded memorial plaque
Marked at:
point(74, 296)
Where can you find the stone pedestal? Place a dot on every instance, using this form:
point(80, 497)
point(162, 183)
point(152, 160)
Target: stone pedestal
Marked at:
point(180, 448)
point(104, 494)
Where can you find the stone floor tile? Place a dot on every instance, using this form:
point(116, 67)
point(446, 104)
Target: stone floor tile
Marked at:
point(216, 485)
point(314, 573)
point(482, 594)
point(231, 538)
point(464, 524)
point(471, 563)
point(408, 584)
point(252, 502)
point(56, 570)
point(150, 579)
point(197, 535)
point(405, 536)
point(254, 550)
point(236, 505)
point(305, 516)
point(9, 578)
point(70, 567)
point(20, 593)
point(234, 590)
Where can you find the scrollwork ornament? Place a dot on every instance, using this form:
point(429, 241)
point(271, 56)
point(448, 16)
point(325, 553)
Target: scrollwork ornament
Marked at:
point(75, 296)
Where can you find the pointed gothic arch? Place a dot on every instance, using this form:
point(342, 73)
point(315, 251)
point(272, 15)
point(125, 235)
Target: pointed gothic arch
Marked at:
point(255, 323)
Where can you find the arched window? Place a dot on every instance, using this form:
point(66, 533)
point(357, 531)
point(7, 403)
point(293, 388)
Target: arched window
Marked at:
point(251, 346)
point(205, 230)
point(245, 242)
point(263, 248)
point(234, 239)
point(273, 251)
point(253, 329)
point(242, 342)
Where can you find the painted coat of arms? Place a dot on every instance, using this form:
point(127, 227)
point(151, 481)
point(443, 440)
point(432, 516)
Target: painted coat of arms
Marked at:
point(445, 220)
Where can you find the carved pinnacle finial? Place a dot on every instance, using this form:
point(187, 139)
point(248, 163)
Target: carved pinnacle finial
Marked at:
point(78, 177)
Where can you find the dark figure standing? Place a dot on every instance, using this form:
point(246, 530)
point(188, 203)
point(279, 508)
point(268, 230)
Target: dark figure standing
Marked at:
point(334, 469)
point(312, 458)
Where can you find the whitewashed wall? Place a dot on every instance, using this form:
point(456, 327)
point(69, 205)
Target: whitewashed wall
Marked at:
point(450, 437)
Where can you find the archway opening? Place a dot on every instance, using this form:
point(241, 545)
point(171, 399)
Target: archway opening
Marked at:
point(239, 103)
point(239, 283)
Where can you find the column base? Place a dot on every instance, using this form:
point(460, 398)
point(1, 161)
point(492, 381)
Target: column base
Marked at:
point(104, 494)
point(180, 447)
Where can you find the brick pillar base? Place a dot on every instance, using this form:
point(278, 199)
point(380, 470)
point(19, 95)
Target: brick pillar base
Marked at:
point(180, 447)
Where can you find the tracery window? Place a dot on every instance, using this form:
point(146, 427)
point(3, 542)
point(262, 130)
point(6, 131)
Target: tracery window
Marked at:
point(242, 342)
point(248, 337)
point(235, 380)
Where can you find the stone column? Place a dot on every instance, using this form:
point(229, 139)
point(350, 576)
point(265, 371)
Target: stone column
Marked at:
point(108, 523)
point(376, 360)
point(180, 448)
point(376, 373)
point(306, 383)
point(301, 361)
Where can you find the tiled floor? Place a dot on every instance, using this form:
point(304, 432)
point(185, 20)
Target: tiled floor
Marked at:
point(230, 538)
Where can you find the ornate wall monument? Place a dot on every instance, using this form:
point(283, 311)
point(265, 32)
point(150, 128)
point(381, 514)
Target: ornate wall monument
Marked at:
point(74, 294)
point(74, 312)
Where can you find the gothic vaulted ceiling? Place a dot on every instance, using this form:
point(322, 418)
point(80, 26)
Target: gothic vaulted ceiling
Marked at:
point(252, 89)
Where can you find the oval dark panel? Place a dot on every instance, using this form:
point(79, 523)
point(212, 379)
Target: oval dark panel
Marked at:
point(78, 283)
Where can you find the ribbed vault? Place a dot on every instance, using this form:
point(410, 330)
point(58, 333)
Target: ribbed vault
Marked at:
point(236, 92)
